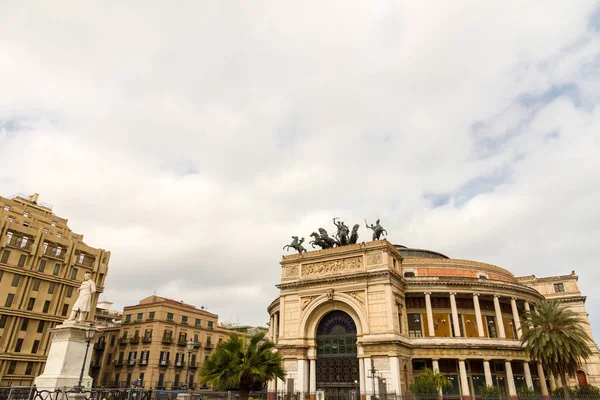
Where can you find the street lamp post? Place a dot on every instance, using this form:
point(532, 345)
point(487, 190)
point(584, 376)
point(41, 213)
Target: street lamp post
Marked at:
point(189, 347)
point(89, 335)
point(373, 372)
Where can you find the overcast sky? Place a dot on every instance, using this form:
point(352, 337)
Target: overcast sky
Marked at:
point(193, 139)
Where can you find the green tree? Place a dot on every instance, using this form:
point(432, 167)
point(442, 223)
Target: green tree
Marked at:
point(490, 392)
point(429, 383)
point(555, 337)
point(242, 363)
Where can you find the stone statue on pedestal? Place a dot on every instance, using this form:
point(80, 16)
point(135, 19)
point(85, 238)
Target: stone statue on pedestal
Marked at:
point(81, 308)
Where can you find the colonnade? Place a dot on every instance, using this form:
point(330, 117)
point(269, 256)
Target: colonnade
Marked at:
point(478, 315)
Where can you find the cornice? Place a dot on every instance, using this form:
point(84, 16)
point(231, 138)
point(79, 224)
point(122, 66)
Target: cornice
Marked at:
point(570, 299)
point(441, 262)
point(472, 283)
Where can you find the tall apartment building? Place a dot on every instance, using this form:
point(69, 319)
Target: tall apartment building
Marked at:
point(150, 345)
point(42, 263)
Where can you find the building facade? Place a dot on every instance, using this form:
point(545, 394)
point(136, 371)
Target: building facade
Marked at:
point(149, 346)
point(370, 317)
point(42, 263)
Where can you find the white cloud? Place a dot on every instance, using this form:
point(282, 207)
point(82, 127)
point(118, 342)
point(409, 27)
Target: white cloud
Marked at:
point(193, 141)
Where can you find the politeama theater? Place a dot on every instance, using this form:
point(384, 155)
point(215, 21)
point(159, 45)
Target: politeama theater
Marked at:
point(369, 317)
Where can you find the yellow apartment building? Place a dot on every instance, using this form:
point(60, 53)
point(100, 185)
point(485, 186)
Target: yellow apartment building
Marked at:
point(42, 263)
point(150, 345)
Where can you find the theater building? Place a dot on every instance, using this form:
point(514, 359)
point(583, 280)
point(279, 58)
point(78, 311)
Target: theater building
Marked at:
point(370, 317)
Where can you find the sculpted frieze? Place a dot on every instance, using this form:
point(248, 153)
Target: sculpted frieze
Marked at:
point(333, 266)
point(291, 271)
point(359, 295)
point(374, 258)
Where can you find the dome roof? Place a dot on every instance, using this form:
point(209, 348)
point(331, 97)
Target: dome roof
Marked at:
point(418, 253)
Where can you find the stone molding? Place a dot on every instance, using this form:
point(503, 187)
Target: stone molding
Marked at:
point(290, 271)
point(328, 280)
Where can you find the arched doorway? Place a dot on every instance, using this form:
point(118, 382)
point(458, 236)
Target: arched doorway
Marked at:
point(337, 357)
point(581, 378)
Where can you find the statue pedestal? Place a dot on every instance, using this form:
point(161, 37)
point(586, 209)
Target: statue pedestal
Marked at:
point(65, 358)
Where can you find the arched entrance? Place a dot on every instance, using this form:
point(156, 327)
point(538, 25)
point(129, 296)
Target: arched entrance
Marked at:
point(337, 357)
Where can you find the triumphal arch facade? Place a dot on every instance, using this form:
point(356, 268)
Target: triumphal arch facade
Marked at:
point(364, 319)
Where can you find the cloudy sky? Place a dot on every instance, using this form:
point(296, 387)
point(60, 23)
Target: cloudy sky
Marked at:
point(193, 140)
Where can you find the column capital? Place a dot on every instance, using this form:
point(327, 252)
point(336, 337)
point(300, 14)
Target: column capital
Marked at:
point(426, 293)
point(475, 294)
point(452, 293)
point(497, 296)
point(514, 298)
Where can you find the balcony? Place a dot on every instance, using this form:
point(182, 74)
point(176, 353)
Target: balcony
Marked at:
point(143, 361)
point(123, 341)
point(131, 362)
point(164, 363)
point(118, 363)
point(134, 340)
point(179, 364)
point(100, 345)
point(193, 364)
point(181, 342)
point(137, 321)
point(85, 261)
point(208, 346)
point(55, 252)
point(147, 339)
point(197, 345)
point(167, 339)
point(95, 364)
point(150, 319)
point(20, 242)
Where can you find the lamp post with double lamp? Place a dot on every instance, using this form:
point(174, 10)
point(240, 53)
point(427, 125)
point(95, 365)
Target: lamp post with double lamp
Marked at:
point(89, 336)
point(189, 347)
point(373, 376)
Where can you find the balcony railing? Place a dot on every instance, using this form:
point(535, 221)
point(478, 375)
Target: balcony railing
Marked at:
point(95, 364)
point(164, 363)
point(196, 345)
point(100, 345)
point(208, 346)
point(181, 342)
point(147, 339)
point(193, 364)
point(167, 339)
point(118, 363)
point(134, 340)
point(179, 364)
point(131, 361)
point(149, 319)
point(86, 262)
point(123, 340)
point(20, 242)
point(55, 252)
point(143, 361)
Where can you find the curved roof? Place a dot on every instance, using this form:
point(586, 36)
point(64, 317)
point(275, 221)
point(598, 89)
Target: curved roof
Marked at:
point(418, 253)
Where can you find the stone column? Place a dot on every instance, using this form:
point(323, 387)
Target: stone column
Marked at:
point(543, 386)
point(488, 373)
point(454, 315)
point(281, 385)
point(395, 375)
point(512, 389)
point(313, 379)
point(478, 317)
point(361, 376)
point(431, 331)
point(436, 368)
point(517, 321)
point(527, 308)
point(301, 384)
point(368, 383)
point(464, 383)
point(527, 372)
point(499, 321)
point(272, 389)
point(275, 327)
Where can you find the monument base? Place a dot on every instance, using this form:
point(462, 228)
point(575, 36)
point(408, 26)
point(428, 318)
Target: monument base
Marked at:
point(65, 358)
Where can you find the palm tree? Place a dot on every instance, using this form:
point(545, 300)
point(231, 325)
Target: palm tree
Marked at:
point(242, 363)
point(555, 337)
